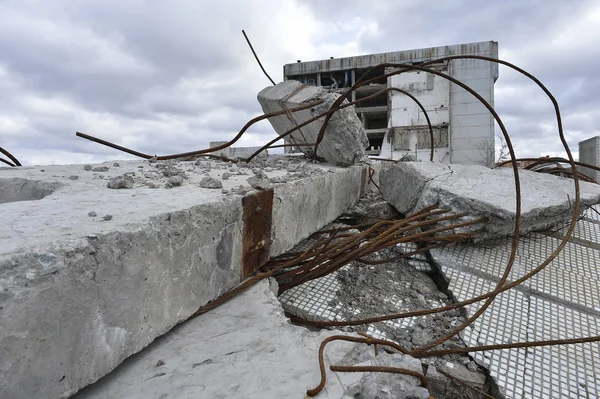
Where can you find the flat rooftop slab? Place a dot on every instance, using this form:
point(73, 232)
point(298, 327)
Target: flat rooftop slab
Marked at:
point(90, 275)
point(245, 348)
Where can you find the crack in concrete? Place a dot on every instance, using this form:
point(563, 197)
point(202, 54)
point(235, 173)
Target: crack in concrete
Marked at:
point(211, 360)
point(155, 375)
point(527, 334)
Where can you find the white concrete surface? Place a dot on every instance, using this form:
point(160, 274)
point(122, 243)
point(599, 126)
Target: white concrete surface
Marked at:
point(478, 191)
point(246, 348)
point(345, 139)
point(433, 93)
point(80, 293)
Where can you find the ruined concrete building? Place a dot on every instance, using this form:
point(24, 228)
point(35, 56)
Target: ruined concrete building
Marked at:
point(395, 125)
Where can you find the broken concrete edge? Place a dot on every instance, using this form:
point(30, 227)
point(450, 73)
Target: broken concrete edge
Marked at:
point(480, 192)
point(345, 139)
point(75, 309)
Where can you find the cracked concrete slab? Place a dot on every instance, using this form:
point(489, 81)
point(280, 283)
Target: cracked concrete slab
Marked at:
point(90, 275)
point(546, 200)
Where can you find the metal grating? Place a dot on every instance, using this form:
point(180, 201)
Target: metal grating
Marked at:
point(562, 371)
point(418, 261)
point(564, 302)
point(593, 213)
point(586, 230)
point(312, 299)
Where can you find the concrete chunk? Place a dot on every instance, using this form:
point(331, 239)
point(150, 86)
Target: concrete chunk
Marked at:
point(345, 139)
point(120, 182)
point(79, 294)
point(210, 182)
point(462, 373)
point(482, 192)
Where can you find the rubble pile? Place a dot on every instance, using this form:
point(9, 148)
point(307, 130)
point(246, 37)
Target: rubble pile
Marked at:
point(397, 286)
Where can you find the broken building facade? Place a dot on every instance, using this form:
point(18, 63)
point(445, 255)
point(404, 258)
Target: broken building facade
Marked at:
point(395, 125)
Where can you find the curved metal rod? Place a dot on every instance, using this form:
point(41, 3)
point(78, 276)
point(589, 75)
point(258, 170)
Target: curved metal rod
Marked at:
point(319, 388)
point(515, 241)
point(559, 171)
point(513, 162)
point(10, 156)
point(256, 56)
point(205, 151)
point(7, 162)
point(539, 161)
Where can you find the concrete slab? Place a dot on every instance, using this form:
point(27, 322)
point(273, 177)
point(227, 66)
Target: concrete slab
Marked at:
point(546, 200)
point(90, 275)
point(246, 348)
point(345, 139)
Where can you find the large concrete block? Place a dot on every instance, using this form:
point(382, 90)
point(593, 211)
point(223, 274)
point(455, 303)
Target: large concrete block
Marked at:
point(546, 200)
point(80, 290)
point(345, 139)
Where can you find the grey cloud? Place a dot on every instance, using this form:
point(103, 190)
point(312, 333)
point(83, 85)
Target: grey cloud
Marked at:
point(170, 78)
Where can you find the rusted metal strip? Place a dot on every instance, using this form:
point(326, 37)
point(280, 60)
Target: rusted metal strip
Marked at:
point(363, 181)
point(256, 245)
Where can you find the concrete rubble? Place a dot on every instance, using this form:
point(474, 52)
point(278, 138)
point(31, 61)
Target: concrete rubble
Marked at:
point(91, 275)
point(345, 139)
point(360, 291)
point(482, 192)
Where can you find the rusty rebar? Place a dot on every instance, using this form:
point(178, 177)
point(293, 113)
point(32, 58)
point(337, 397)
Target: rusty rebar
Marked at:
point(256, 56)
point(199, 152)
point(7, 162)
point(333, 252)
point(10, 156)
point(318, 388)
point(491, 295)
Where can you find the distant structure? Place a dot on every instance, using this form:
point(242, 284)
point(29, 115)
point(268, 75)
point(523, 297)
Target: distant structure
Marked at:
point(235, 152)
point(395, 125)
point(589, 152)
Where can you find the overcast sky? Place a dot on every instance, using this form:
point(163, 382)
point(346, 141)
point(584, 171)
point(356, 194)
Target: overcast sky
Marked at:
point(170, 76)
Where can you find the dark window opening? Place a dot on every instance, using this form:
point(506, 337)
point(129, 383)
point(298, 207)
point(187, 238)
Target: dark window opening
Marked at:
point(379, 101)
point(375, 144)
point(376, 73)
point(379, 122)
point(310, 80)
point(336, 80)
